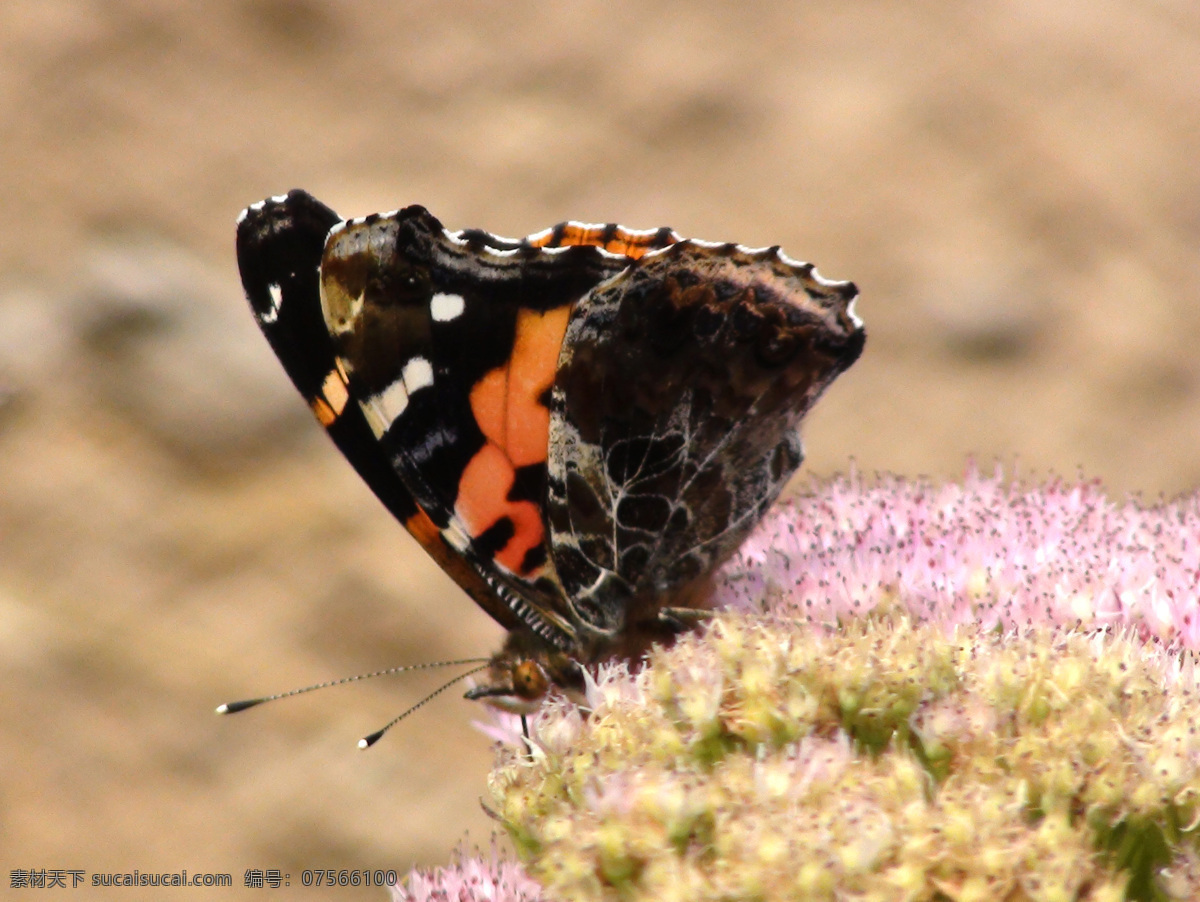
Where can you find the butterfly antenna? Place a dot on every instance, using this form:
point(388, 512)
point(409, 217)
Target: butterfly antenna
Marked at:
point(367, 741)
point(235, 707)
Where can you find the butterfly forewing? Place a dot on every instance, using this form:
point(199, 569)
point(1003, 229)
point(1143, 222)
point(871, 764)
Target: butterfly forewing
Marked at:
point(280, 243)
point(450, 343)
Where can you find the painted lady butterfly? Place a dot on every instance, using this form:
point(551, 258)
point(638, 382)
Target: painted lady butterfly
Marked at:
point(579, 426)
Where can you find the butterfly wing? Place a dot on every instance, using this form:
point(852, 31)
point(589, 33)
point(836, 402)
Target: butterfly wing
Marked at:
point(674, 417)
point(449, 343)
point(280, 244)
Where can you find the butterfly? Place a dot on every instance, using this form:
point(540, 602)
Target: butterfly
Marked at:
point(579, 426)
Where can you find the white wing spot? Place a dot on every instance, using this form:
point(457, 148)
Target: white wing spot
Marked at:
point(418, 374)
point(445, 307)
point(393, 400)
point(385, 408)
point(271, 314)
point(456, 537)
point(335, 392)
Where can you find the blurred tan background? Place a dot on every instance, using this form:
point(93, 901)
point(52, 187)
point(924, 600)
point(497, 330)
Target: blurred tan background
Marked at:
point(1014, 186)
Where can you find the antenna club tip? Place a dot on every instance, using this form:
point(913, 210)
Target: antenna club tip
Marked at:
point(235, 707)
point(367, 741)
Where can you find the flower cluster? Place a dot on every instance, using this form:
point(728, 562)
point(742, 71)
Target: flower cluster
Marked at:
point(470, 879)
point(981, 552)
point(885, 761)
point(973, 691)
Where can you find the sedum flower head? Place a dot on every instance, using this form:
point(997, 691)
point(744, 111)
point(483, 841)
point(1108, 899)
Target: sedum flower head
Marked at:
point(470, 879)
point(890, 760)
point(984, 551)
point(982, 691)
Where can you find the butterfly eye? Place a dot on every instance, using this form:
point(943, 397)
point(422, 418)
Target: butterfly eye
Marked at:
point(529, 680)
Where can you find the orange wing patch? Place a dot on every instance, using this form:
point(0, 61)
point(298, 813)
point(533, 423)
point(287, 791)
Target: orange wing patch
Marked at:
point(335, 393)
point(483, 500)
point(507, 404)
point(611, 238)
point(423, 529)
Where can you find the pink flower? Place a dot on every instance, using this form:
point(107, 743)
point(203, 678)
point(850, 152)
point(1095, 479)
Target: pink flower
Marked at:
point(470, 879)
point(986, 551)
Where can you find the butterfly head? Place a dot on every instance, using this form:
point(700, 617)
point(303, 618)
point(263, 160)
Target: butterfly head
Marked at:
point(524, 672)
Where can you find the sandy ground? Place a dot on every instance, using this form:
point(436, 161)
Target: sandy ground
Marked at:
point(1012, 184)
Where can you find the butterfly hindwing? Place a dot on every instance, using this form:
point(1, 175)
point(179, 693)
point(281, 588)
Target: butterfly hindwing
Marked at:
point(655, 480)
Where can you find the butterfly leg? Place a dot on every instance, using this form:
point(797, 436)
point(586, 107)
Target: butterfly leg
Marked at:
point(681, 620)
